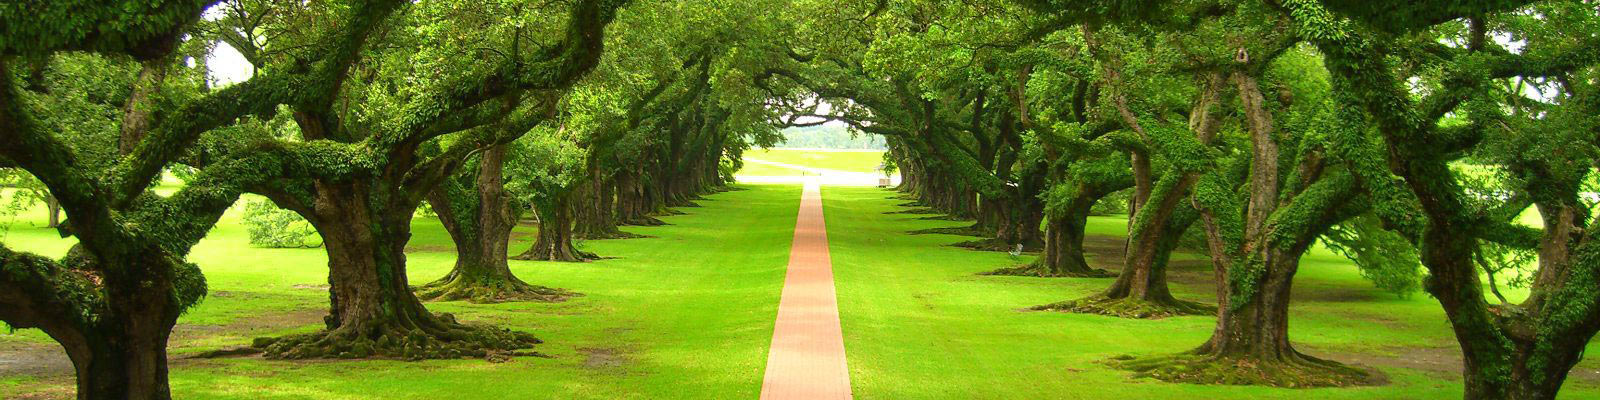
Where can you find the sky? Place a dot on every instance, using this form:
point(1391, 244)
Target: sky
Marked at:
point(225, 63)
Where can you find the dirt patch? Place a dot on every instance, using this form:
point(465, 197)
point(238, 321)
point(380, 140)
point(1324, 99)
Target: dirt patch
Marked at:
point(310, 287)
point(187, 336)
point(430, 248)
point(43, 360)
point(1325, 294)
point(1436, 362)
point(604, 358)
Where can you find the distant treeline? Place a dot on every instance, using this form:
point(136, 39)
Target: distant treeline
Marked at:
point(829, 137)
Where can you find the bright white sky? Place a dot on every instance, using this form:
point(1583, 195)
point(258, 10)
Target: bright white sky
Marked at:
point(228, 66)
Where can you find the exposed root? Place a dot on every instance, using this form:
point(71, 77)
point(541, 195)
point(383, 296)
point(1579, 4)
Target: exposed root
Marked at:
point(490, 291)
point(1040, 270)
point(546, 253)
point(227, 352)
point(920, 211)
point(998, 245)
point(449, 340)
point(912, 204)
point(643, 221)
point(614, 234)
point(1297, 371)
point(943, 217)
point(1129, 307)
point(958, 231)
point(669, 212)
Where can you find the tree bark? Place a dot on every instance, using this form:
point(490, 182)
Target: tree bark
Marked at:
point(633, 201)
point(53, 207)
point(1140, 290)
point(479, 219)
point(555, 235)
point(1063, 245)
point(374, 312)
point(597, 209)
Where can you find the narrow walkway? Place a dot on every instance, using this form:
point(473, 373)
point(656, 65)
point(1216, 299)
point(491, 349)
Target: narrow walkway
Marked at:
point(807, 356)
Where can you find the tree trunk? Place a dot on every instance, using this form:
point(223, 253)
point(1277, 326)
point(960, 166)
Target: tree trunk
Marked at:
point(1141, 291)
point(633, 202)
point(53, 207)
point(1063, 246)
point(125, 355)
point(555, 235)
point(479, 220)
point(374, 312)
point(597, 209)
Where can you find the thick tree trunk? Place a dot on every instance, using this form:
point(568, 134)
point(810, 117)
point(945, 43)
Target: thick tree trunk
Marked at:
point(1063, 246)
point(633, 201)
point(1141, 291)
point(555, 236)
point(596, 214)
point(125, 355)
point(479, 220)
point(1250, 344)
point(1017, 223)
point(374, 312)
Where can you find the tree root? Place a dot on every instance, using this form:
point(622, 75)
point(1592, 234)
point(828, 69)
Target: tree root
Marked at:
point(570, 254)
point(919, 211)
point(911, 204)
point(1125, 307)
point(1297, 371)
point(958, 231)
point(997, 245)
point(1037, 269)
point(391, 340)
point(614, 234)
point(491, 291)
point(944, 217)
point(669, 212)
point(643, 221)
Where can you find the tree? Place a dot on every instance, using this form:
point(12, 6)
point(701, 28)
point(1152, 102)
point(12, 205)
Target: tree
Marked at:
point(1512, 350)
point(112, 301)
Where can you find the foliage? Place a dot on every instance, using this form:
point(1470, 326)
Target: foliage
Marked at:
point(273, 227)
point(1384, 257)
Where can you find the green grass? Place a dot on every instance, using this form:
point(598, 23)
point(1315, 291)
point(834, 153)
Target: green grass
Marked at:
point(687, 314)
point(920, 324)
point(852, 160)
point(754, 169)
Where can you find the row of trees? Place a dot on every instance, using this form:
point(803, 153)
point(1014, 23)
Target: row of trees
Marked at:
point(1400, 135)
point(591, 113)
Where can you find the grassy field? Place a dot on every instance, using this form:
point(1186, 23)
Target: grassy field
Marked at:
point(851, 160)
point(919, 323)
point(754, 169)
point(687, 314)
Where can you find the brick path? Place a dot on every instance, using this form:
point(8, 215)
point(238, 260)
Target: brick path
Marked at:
point(807, 356)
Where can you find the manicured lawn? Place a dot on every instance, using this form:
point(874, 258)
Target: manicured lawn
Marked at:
point(842, 160)
point(687, 314)
point(919, 323)
point(754, 169)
